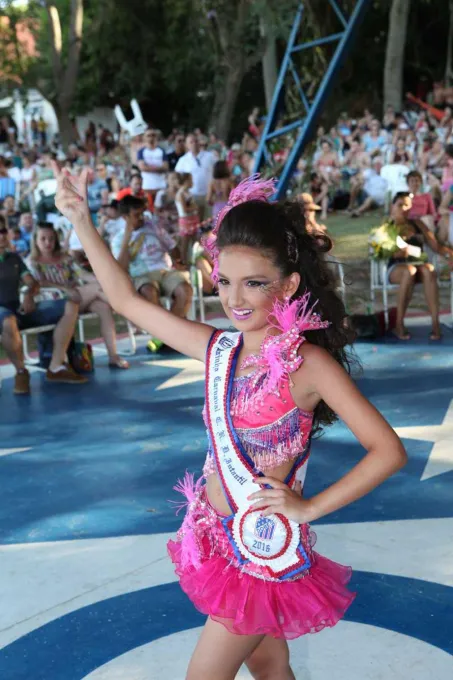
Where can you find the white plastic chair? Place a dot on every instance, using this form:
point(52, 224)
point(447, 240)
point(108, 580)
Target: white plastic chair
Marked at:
point(136, 125)
point(48, 187)
point(379, 283)
point(395, 176)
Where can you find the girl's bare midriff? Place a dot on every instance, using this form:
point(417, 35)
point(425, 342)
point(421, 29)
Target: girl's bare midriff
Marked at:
point(215, 493)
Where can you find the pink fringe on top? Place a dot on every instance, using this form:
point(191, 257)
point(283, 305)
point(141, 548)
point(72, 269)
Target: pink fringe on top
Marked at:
point(279, 355)
point(191, 490)
point(251, 189)
point(296, 314)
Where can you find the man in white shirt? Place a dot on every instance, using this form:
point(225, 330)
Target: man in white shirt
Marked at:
point(375, 188)
point(153, 164)
point(199, 164)
point(143, 249)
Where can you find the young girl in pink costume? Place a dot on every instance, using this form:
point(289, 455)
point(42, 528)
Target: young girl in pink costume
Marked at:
point(245, 552)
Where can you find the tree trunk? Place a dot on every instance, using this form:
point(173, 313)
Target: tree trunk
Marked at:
point(65, 78)
point(225, 101)
point(394, 56)
point(65, 125)
point(448, 65)
point(269, 62)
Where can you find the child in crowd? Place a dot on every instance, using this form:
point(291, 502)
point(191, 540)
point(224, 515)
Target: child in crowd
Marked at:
point(17, 242)
point(51, 267)
point(245, 552)
point(188, 216)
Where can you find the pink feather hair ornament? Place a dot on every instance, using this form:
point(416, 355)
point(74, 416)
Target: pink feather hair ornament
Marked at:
point(251, 189)
point(279, 356)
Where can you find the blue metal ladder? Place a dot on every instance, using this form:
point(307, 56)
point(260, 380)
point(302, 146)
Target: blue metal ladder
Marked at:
point(305, 124)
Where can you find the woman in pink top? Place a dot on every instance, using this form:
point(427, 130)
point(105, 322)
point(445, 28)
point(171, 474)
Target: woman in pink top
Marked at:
point(422, 202)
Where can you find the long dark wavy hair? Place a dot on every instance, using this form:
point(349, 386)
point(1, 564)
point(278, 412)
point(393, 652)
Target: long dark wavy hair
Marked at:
point(277, 230)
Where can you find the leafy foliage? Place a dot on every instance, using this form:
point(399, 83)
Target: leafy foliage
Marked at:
point(174, 55)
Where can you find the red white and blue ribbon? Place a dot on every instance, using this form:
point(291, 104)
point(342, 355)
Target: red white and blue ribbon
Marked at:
point(273, 542)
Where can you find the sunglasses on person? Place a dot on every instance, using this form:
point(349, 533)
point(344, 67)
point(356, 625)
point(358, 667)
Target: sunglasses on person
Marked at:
point(3, 230)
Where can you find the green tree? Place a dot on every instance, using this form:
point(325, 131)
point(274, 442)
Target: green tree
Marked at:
point(239, 43)
point(16, 45)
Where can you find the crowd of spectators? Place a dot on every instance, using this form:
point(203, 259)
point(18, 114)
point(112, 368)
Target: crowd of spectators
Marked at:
point(151, 197)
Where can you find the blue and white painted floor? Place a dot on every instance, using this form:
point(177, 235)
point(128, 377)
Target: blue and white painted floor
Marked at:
point(86, 588)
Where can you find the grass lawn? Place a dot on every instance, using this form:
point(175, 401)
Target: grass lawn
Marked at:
point(351, 234)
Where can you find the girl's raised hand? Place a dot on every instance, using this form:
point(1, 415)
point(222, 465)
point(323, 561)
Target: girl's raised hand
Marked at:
point(281, 499)
point(71, 198)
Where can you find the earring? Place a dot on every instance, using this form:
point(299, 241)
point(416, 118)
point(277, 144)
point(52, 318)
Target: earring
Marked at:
point(287, 297)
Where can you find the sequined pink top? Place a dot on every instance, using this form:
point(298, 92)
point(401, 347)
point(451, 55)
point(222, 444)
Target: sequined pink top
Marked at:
point(272, 429)
point(272, 433)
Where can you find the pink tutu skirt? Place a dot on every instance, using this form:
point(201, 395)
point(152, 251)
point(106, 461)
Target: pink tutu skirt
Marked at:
point(240, 596)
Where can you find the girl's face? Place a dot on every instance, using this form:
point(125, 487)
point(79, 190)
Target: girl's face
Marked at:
point(325, 147)
point(45, 240)
point(414, 184)
point(249, 283)
point(400, 145)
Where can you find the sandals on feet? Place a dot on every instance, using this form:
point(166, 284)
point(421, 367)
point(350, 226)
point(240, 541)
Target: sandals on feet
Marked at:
point(405, 335)
point(119, 363)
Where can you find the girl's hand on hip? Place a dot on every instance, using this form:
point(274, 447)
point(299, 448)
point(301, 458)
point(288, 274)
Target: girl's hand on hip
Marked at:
point(71, 197)
point(281, 499)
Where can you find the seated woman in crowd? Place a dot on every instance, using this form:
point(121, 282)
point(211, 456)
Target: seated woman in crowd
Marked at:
point(188, 216)
point(328, 163)
point(432, 157)
point(165, 205)
point(400, 153)
point(319, 190)
point(445, 226)
point(404, 268)
point(447, 172)
point(51, 267)
point(355, 159)
point(422, 202)
point(219, 188)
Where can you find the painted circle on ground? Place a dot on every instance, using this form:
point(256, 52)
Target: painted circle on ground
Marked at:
point(80, 642)
point(353, 650)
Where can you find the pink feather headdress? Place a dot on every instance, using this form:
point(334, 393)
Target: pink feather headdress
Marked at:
point(251, 189)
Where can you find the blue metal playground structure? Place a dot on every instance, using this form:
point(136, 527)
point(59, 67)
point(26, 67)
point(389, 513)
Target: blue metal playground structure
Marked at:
point(311, 105)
